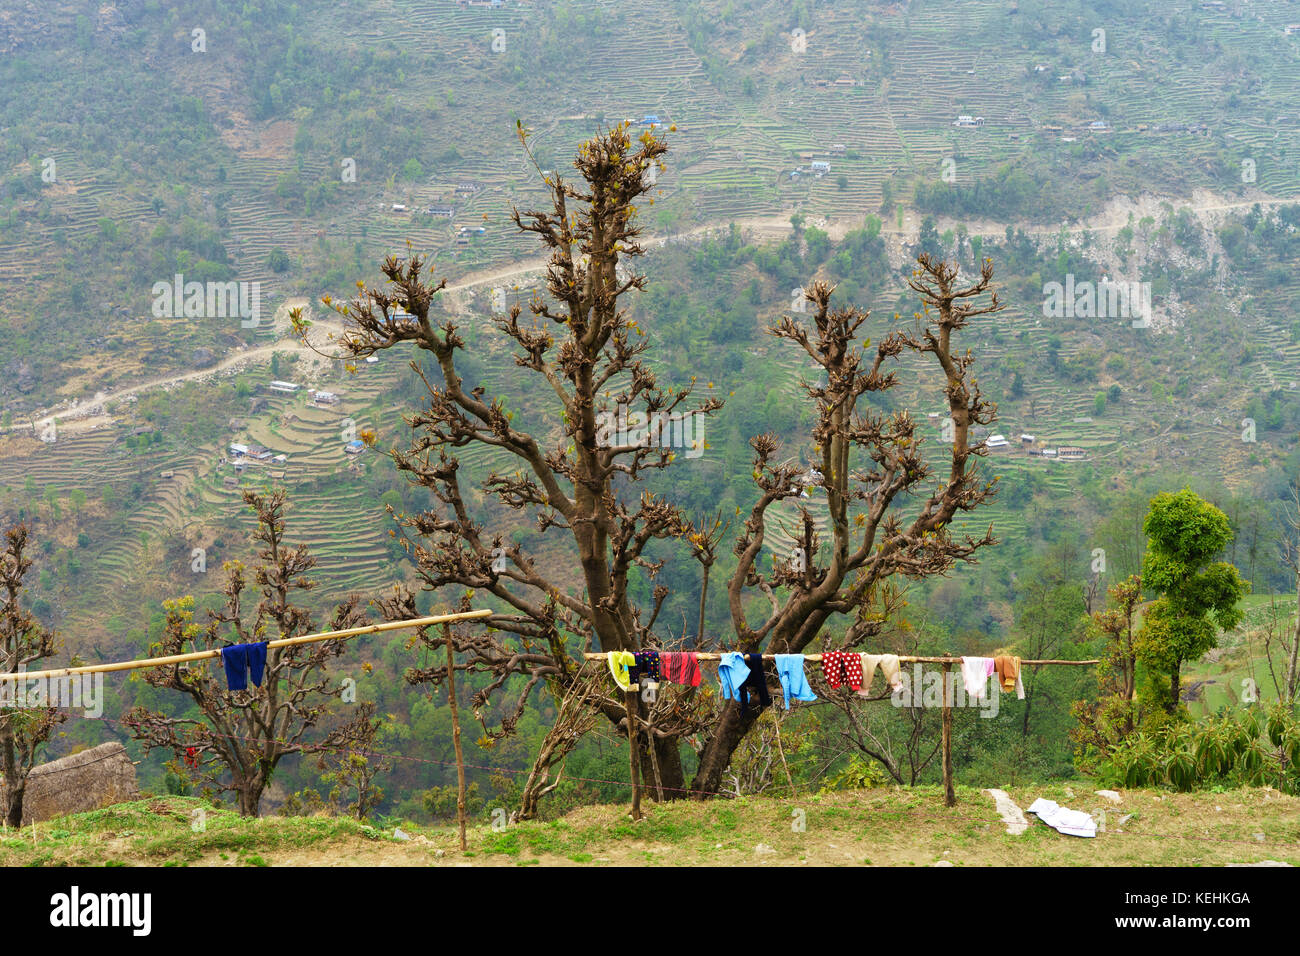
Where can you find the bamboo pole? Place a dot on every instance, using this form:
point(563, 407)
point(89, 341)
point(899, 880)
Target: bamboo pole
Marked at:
point(902, 659)
point(949, 795)
point(216, 652)
point(455, 737)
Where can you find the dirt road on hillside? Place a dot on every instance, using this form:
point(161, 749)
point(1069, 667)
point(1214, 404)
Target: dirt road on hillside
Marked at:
point(1112, 218)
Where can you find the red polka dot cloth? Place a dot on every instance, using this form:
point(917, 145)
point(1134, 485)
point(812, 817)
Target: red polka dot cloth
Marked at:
point(842, 667)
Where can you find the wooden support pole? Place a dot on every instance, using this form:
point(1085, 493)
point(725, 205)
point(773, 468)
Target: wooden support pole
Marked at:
point(776, 722)
point(630, 701)
point(455, 737)
point(949, 795)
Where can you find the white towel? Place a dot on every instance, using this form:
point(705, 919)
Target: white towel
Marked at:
point(975, 675)
point(1070, 822)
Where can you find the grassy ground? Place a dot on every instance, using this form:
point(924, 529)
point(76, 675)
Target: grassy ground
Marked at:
point(885, 827)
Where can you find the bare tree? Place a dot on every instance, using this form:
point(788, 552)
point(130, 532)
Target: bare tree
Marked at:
point(901, 739)
point(350, 771)
point(23, 641)
point(238, 738)
point(869, 463)
point(579, 477)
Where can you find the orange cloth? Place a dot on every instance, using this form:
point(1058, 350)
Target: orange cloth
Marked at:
point(1008, 670)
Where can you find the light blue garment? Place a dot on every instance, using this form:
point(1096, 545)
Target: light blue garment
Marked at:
point(789, 668)
point(732, 672)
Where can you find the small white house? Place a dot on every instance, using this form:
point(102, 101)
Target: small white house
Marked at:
point(820, 167)
point(997, 441)
point(237, 450)
point(398, 207)
point(278, 386)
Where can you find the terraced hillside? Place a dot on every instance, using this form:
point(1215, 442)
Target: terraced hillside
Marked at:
point(749, 95)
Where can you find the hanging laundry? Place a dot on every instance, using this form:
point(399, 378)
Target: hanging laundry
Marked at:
point(620, 663)
point(1008, 671)
point(256, 661)
point(975, 673)
point(680, 667)
point(889, 667)
point(1070, 822)
point(842, 667)
point(239, 660)
point(645, 668)
point(757, 681)
point(732, 673)
point(789, 670)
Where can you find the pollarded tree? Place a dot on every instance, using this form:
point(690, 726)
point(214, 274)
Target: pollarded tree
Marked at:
point(23, 641)
point(232, 741)
point(1198, 597)
point(577, 475)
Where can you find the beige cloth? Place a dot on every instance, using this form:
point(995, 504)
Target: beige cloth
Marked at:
point(889, 667)
point(1008, 670)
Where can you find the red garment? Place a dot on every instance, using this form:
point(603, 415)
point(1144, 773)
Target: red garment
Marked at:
point(841, 667)
point(680, 667)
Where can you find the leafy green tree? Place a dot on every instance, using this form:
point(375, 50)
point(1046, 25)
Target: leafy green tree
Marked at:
point(1197, 596)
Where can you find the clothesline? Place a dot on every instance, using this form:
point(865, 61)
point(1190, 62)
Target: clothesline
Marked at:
point(216, 651)
point(739, 673)
point(902, 658)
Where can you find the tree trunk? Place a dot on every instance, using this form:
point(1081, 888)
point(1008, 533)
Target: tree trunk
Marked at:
point(250, 795)
point(730, 730)
point(1175, 686)
point(1029, 704)
point(15, 785)
point(704, 594)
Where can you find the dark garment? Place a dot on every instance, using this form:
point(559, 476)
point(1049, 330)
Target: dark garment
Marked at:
point(235, 659)
point(239, 659)
point(646, 667)
point(756, 681)
point(256, 661)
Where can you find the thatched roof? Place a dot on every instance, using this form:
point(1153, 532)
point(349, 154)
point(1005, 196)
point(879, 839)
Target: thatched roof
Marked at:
point(82, 781)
